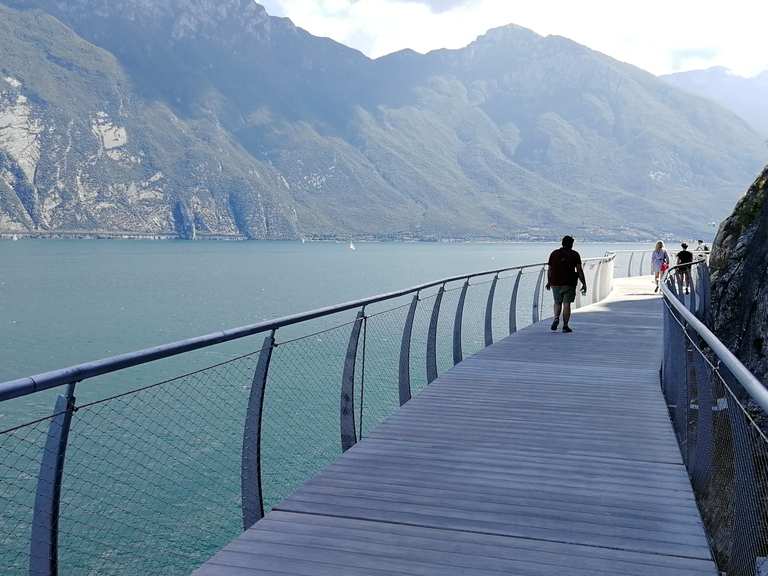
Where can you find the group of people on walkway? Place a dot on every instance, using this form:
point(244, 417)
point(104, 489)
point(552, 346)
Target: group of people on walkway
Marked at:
point(564, 272)
point(660, 263)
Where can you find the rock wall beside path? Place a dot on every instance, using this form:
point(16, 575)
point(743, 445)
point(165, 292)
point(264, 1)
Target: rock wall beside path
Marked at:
point(739, 267)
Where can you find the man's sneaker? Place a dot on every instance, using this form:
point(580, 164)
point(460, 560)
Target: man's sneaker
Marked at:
point(555, 324)
point(567, 329)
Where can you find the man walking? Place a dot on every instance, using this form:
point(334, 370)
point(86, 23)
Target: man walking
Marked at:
point(684, 259)
point(563, 273)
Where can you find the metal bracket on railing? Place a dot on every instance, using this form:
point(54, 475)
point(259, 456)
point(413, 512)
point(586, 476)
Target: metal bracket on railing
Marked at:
point(432, 337)
point(513, 304)
point(537, 296)
point(489, 312)
point(457, 352)
point(250, 466)
point(347, 407)
point(404, 379)
point(44, 553)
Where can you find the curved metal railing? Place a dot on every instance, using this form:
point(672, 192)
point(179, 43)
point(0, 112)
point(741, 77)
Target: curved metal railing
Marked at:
point(152, 475)
point(720, 414)
point(632, 262)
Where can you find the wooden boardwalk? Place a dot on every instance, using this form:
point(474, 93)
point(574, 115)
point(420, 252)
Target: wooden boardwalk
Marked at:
point(546, 453)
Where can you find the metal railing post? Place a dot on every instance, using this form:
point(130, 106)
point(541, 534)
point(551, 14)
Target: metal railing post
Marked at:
point(404, 372)
point(536, 297)
point(457, 353)
point(629, 265)
point(642, 262)
point(347, 407)
point(513, 304)
point(44, 552)
point(432, 337)
point(489, 312)
point(250, 466)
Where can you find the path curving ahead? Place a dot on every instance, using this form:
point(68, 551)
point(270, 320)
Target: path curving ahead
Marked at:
point(546, 453)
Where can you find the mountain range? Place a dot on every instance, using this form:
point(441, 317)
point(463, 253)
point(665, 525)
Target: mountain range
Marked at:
point(204, 118)
point(746, 97)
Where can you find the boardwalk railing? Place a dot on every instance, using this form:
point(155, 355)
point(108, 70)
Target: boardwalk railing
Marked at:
point(720, 414)
point(133, 473)
point(629, 263)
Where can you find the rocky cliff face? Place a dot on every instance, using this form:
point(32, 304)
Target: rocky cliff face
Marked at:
point(739, 265)
point(82, 152)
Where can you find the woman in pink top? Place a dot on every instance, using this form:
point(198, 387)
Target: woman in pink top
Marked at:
point(659, 262)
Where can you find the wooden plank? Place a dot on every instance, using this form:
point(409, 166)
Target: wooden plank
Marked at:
point(544, 453)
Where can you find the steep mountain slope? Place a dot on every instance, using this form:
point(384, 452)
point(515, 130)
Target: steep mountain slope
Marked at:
point(80, 152)
point(260, 129)
point(745, 97)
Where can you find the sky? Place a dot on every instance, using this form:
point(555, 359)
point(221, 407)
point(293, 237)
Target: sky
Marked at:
point(661, 36)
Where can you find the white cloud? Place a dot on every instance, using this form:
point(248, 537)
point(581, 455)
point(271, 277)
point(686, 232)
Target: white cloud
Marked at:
point(658, 35)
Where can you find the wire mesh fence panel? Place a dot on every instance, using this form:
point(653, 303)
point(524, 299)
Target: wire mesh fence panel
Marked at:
point(732, 480)
point(152, 478)
point(381, 396)
point(418, 350)
point(473, 324)
point(445, 325)
point(622, 262)
point(722, 436)
point(301, 420)
point(20, 458)
point(501, 302)
point(525, 297)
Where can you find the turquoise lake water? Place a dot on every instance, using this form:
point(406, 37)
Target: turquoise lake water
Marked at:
point(152, 478)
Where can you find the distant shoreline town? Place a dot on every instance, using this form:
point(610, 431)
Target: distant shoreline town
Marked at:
point(521, 238)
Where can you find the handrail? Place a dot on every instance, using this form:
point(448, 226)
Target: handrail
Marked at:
point(79, 372)
point(751, 384)
point(86, 370)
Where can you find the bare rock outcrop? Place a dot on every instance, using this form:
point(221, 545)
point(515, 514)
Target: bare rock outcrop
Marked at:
point(739, 265)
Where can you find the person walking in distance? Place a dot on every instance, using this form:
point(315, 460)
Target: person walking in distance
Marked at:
point(659, 262)
point(701, 250)
point(683, 273)
point(563, 273)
